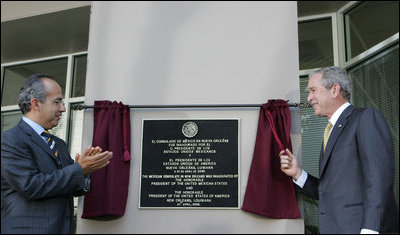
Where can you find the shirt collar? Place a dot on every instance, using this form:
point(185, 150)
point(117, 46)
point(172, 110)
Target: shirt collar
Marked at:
point(338, 112)
point(36, 127)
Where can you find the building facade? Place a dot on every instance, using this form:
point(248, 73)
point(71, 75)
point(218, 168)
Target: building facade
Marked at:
point(362, 37)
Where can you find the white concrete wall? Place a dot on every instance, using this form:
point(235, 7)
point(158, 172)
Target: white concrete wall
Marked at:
point(158, 53)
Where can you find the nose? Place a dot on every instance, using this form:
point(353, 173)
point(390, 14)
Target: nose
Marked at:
point(309, 98)
point(62, 107)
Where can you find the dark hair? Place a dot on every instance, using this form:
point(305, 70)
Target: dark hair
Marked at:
point(32, 88)
point(332, 75)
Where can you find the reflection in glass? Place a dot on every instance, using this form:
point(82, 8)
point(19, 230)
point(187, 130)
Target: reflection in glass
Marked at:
point(368, 24)
point(75, 131)
point(15, 76)
point(9, 119)
point(315, 44)
point(79, 76)
point(375, 84)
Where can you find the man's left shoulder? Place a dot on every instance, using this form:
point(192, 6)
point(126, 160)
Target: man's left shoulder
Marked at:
point(371, 115)
point(367, 111)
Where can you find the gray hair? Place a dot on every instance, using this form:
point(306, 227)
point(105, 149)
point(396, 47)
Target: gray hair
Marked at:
point(332, 75)
point(33, 88)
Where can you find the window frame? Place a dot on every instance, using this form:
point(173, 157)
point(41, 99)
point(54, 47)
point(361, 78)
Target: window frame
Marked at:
point(343, 62)
point(68, 100)
point(335, 43)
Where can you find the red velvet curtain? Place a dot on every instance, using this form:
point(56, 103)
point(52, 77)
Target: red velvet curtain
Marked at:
point(269, 191)
point(112, 132)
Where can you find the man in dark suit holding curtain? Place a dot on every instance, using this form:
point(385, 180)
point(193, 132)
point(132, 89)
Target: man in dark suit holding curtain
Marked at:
point(38, 176)
point(356, 167)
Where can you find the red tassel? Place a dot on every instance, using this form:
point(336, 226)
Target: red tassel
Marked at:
point(127, 156)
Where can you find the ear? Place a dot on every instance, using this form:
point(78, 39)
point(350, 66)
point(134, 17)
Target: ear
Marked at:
point(336, 90)
point(34, 104)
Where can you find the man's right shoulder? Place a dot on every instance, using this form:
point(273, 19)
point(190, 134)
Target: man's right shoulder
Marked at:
point(13, 130)
point(9, 131)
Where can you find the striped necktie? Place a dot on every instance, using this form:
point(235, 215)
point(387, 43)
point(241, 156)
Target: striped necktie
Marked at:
point(327, 134)
point(51, 143)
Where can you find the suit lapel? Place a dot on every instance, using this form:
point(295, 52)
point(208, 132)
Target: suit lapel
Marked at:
point(335, 133)
point(37, 139)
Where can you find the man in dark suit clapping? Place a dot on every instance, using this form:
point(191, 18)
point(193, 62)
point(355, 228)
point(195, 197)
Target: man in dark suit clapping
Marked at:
point(38, 176)
point(356, 167)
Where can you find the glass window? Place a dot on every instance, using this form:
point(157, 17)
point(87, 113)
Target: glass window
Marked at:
point(79, 76)
point(369, 23)
point(376, 84)
point(312, 129)
point(60, 129)
point(75, 131)
point(315, 44)
point(15, 76)
point(9, 119)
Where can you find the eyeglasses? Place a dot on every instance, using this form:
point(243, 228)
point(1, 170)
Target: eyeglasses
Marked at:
point(59, 102)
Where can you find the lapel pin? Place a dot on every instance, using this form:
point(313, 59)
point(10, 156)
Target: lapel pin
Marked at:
point(340, 125)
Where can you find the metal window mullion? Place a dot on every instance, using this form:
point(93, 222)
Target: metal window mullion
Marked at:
point(344, 42)
point(68, 80)
point(9, 108)
point(37, 60)
point(372, 51)
point(340, 39)
point(335, 39)
point(79, 99)
point(314, 17)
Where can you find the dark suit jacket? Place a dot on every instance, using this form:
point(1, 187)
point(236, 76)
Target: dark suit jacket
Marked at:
point(36, 193)
point(356, 175)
